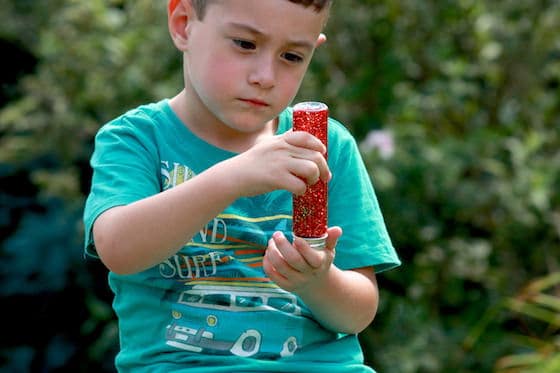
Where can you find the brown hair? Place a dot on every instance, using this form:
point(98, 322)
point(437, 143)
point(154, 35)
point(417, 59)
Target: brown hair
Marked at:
point(318, 5)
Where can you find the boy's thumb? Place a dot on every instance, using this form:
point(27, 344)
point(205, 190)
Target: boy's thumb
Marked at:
point(334, 234)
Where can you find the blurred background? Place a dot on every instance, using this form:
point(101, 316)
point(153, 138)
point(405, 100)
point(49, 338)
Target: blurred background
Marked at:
point(455, 105)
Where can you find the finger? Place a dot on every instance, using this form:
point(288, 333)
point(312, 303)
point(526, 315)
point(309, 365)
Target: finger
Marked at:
point(304, 169)
point(314, 258)
point(277, 261)
point(318, 167)
point(276, 277)
point(306, 140)
point(294, 184)
point(291, 255)
point(333, 234)
point(270, 271)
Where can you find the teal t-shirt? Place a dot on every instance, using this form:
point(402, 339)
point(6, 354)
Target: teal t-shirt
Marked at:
point(210, 307)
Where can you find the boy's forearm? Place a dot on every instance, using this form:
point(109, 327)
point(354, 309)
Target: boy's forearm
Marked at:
point(137, 236)
point(345, 301)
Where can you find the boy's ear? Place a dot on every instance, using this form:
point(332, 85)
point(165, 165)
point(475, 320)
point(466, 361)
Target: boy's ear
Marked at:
point(320, 40)
point(178, 15)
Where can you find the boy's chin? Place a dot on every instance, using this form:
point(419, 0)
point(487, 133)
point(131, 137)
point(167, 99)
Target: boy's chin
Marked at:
point(249, 124)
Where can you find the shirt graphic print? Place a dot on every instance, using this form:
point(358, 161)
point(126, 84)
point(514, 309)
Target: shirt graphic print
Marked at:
point(221, 277)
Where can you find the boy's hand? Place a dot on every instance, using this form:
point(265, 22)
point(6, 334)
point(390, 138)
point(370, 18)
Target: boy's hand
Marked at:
point(299, 268)
point(290, 161)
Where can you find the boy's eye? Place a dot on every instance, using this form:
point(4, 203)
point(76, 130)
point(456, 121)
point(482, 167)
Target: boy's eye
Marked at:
point(244, 44)
point(292, 57)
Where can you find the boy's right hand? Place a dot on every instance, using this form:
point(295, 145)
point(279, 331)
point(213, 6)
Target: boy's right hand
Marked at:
point(290, 161)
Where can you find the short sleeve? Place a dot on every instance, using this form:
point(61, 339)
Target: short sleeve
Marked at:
point(354, 207)
point(125, 167)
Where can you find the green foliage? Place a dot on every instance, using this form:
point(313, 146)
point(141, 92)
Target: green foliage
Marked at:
point(472, 227)
point(467, 91)
point(54, 251)
point(540, 301)
point(96, 59)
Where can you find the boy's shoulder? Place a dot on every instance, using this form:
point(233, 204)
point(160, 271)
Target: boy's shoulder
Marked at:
point(142, 118)
point(145, 112)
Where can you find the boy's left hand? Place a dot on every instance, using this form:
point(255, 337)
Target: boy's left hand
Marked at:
point(297, 267)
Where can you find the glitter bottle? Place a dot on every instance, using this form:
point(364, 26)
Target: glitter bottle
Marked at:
point(310, 209)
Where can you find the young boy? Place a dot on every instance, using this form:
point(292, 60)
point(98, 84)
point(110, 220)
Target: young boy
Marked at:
point(191, 207)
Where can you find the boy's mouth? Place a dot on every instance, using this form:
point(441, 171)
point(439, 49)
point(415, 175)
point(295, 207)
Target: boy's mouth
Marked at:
point(254, 102)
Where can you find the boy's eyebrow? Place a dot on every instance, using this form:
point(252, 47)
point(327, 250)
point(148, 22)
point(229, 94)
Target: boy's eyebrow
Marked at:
point(296, 43)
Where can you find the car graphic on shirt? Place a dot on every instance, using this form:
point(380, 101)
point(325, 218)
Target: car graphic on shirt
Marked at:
point(240, 298)
point(200, 340)
point(250, 311)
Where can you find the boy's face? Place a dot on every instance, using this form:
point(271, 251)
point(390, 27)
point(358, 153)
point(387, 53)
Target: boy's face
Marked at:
point(245, 60)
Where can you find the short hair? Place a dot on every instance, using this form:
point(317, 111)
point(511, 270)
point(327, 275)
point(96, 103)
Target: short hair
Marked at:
point(318, 5)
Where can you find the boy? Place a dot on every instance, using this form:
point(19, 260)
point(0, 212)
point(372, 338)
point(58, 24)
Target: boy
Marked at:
point(190, 207)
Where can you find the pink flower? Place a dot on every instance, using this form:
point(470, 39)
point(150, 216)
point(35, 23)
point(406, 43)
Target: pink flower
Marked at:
point(380, 140)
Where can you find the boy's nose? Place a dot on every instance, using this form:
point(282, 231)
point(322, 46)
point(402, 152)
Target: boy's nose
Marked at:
point(263, 73)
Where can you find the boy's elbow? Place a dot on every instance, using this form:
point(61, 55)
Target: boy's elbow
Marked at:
point(361, 323)
point(360, 320)
point(109, 247)
point(109, 261)
point(106, 250)
point(368, 303)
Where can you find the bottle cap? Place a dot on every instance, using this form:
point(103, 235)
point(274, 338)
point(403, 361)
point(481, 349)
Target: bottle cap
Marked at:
point(317, 243)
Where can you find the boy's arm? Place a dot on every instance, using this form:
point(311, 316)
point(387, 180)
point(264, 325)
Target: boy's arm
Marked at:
point(344, 301)
point(134, 237)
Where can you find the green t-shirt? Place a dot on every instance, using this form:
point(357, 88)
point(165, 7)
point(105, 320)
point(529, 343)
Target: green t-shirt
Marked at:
point(210, 307)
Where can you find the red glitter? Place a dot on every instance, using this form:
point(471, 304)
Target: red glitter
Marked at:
point(310, 209)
